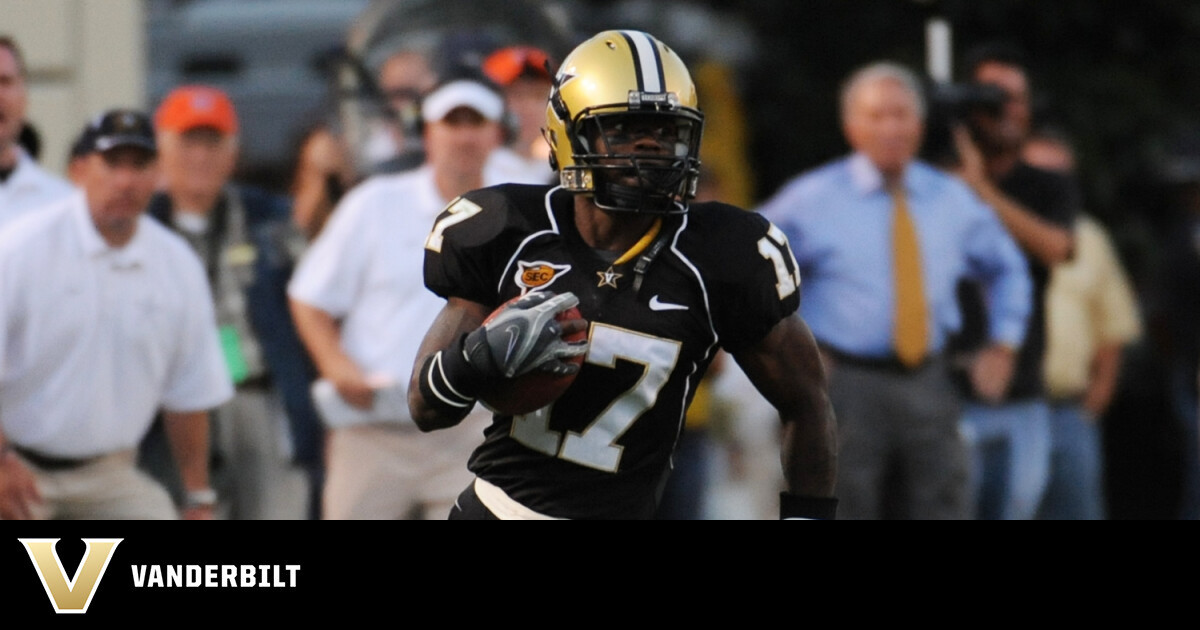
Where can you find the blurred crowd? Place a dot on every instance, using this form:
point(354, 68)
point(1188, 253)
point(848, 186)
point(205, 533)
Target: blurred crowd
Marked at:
point(174, 342)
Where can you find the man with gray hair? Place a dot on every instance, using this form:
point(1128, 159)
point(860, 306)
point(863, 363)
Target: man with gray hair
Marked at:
point(881, 240)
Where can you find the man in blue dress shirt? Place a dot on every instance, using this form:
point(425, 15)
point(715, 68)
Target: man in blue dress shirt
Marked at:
point(882, 240)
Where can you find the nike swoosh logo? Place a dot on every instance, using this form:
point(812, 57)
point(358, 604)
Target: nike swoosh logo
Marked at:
point(657, 305)
point(512, 341)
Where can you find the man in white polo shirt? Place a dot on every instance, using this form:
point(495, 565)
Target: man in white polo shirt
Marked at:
point(361, 307)
point(23, 184)
point(105, 318)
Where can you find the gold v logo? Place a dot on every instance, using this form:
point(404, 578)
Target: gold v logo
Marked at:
point(71, 596)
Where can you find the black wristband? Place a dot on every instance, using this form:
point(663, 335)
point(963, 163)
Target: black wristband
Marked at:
point(795, 507)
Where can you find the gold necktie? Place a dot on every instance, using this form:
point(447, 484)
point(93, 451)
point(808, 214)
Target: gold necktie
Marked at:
point(912, 318)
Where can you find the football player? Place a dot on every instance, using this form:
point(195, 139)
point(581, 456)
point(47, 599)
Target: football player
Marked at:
point(660, 284)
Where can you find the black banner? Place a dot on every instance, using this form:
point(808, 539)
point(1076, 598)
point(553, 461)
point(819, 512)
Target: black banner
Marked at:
point(208, 570)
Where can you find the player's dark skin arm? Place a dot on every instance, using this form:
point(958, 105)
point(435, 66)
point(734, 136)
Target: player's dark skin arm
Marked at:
point(456, 318)
point(786, 368)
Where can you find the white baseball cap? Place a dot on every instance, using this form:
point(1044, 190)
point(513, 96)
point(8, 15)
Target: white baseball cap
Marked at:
point(462, 93)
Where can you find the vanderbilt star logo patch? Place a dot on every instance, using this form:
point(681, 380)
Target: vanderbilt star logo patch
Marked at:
point(608, 278)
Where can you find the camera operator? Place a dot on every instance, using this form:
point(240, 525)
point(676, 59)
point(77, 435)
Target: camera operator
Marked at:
point(951, 105)
point(1010, 431)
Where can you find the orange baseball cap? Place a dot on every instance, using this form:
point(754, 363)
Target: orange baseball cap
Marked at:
point(193, 106)
point(513, 62)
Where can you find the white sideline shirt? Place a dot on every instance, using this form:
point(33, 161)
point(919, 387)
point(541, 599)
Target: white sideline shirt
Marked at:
point(506, 165)
point(366, 269)
point(94, 340)
point(29, 187)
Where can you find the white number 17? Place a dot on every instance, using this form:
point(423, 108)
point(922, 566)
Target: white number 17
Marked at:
point(460, 210)
point(772, 247)
point(596, 446)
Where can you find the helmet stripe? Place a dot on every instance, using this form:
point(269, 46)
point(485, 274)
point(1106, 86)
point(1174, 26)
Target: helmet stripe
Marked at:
point(646, 62)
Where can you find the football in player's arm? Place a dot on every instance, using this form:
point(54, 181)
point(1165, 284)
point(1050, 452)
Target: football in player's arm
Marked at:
point(660, 287)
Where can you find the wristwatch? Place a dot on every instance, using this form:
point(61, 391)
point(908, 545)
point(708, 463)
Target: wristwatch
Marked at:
point(204, 497)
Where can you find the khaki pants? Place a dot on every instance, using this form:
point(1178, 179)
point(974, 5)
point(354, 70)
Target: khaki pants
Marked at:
point(110, 488)
point(383, 472)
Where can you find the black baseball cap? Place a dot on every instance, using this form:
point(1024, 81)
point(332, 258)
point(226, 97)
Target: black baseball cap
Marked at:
point(116, 128)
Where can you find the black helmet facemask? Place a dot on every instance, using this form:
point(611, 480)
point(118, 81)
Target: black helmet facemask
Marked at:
point(655, 168)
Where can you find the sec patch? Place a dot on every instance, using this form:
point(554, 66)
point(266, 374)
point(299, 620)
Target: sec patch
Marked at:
point(538, 274)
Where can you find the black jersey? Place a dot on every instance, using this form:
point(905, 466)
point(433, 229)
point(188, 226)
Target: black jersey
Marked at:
point(717, 276)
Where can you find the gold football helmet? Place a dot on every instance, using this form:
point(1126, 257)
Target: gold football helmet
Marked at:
point(624, 126)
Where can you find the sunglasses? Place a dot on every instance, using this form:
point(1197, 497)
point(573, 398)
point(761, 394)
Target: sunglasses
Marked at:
point(508, 64)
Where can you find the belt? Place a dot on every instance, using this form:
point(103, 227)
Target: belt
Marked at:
point(258, 383)
point(46, 462)
point(880, 364)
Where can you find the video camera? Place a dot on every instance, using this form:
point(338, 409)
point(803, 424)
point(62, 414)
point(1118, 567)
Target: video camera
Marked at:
point(951, 104)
